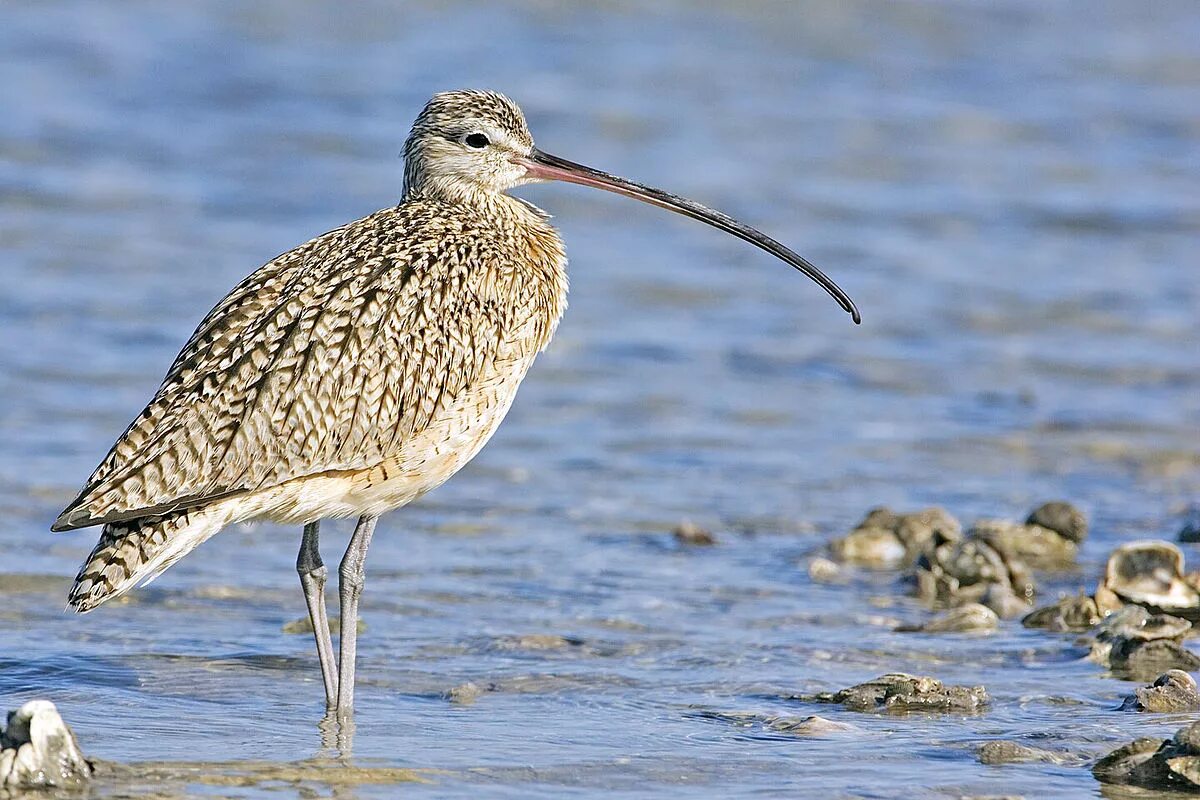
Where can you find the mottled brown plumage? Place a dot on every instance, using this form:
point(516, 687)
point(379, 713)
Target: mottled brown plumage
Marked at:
point(358, 371)
point(332, 356)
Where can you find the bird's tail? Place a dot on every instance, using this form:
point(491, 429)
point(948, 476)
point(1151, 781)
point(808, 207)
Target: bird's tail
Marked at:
point(136, 552)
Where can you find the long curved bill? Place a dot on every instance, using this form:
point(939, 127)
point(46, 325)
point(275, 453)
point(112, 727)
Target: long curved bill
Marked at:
point(544, 166)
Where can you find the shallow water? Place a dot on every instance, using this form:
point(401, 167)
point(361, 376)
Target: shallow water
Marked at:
point(1008, 190)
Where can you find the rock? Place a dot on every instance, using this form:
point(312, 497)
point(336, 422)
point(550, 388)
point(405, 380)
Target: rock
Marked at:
point(1000, 599)
point(962, 571)
point(1063, 518)
point(1171, 764)
point(537, 642)
point(1035, 545)
point(467, 693)
point(1173, 691)
point(822, 570)
point(887, 539)
point(809, 726)
point(38, 750)
point(692, 534)
point(870, 547)
point(1006, 752)
point(1142, 659)
point(1068, 614)
point(812, 726)
point(1140, 644)
point(971, 618)
point(1190, 532)
point(1134, 763)
point(899, 693)
point(1150, 574)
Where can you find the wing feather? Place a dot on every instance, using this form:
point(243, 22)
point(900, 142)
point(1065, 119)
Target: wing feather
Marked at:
point(326, 358)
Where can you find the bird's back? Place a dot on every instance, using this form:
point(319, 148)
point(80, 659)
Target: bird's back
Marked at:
point(333, 355)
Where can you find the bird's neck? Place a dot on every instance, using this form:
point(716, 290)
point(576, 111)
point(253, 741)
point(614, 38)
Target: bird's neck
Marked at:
point(485, 203)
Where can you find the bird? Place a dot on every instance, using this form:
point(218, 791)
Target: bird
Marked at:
point(358, 371)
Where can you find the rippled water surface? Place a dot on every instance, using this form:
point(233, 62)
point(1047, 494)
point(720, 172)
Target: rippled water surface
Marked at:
point(1011, 191)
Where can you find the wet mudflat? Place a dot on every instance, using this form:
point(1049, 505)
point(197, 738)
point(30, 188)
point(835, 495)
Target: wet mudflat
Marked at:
point(1008, 191)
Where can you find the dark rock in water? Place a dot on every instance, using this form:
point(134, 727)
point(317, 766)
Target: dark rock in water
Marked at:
point(963, 571)
point(971, 618)
point(1141, 659)
point(39, 751)
point(1134, 763)
point(1156, 763)
point(1037, 546)
point(692, 534)
point(1190, 532)
point(1062, 518)
point(898, 693)
point(1068, 614)
point(1173, 691)
point(1006, 752)
point(1142, 645)
point(887, 539)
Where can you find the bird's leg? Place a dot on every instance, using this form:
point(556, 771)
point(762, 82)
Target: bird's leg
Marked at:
point(352, 574)
point(312, 578)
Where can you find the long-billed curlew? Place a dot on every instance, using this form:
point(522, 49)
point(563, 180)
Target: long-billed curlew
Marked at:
point(360, 370)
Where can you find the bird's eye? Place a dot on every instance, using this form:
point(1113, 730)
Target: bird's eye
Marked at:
point(476, 140)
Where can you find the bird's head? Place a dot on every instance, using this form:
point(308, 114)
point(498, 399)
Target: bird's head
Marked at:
point(468, 146)
point(466, 143)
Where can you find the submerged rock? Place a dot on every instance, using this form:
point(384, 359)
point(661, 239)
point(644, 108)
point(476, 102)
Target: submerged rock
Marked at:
point(1190, 532)
point(465, 693)
point(971, 618)
point(898, 692)
point(1150, 573)
point(38, 750)
point(1061, 517)
point(1173, 691)
point(1156, 763)
point(1142, 644)
point(1005, 752)
point(887, 539)
point(963, 571)
point(809, 726)
point(1035, 545)
point(1069, 614)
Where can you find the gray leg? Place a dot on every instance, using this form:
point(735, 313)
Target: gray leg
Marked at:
point(312, 578)
point(352, 575)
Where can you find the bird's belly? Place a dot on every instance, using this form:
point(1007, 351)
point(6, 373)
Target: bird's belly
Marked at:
point(424, 462)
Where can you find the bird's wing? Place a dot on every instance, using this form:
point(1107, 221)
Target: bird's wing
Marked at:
point(326, 358)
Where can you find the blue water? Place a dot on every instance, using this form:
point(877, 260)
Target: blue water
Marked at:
point(1010, 190)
